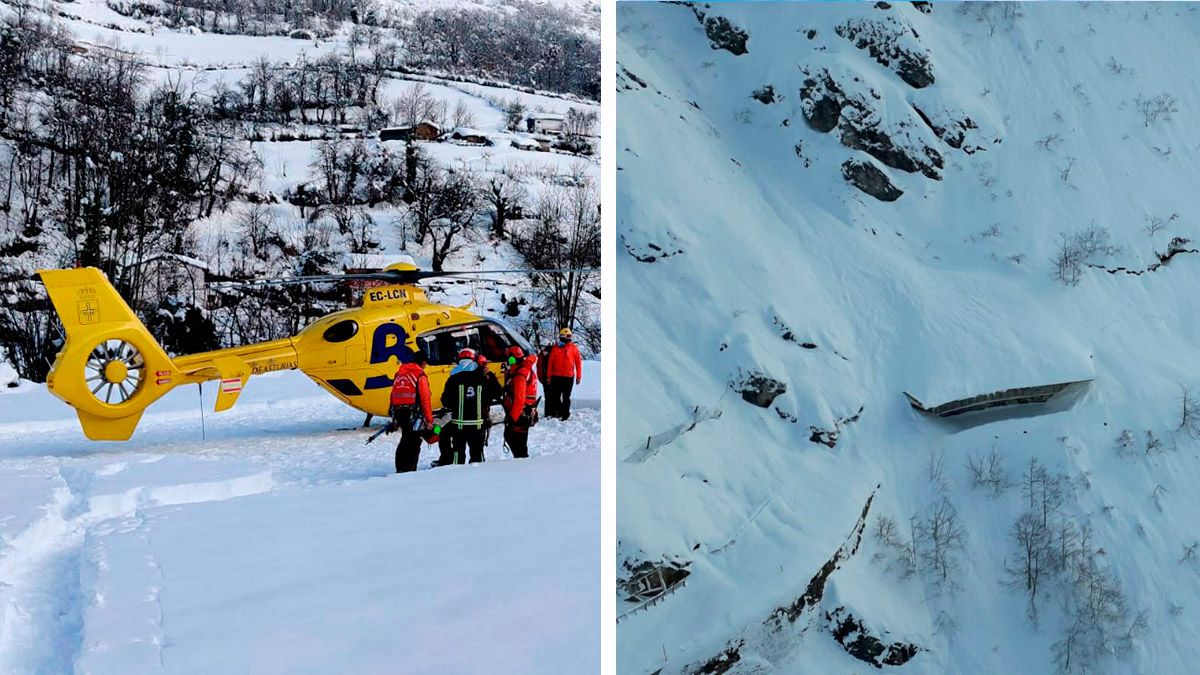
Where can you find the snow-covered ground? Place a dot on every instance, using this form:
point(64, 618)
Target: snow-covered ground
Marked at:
point(269, 539)
point(735, 212)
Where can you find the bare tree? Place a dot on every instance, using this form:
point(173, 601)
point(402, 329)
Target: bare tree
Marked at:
point(514, 114)
point(1042, 490)
point(506, 196)
point(578, 128)
point(945, 537)
point(1078, 248)
point(566, 235)
point(988, 472)
point(414, 105)
point(1189, 412)
point(462, 115)
point(1031, 541)
point(445, 206)
point(339, 165)
point(458, 207)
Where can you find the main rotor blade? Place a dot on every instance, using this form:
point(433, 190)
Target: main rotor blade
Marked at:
point(293, 281)
point(390, 276)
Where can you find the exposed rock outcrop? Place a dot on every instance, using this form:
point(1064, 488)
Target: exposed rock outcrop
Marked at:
point(827, 105)
point(764, 638)
point(721, 32)
point(764, 94)
point(724, 35)
point(758, 389)
point(894, 45)
point(644, 250)
point(868, 178)
point(858, 642)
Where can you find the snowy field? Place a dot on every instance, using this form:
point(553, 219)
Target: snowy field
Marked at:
point(734, 210)
point(269, 539)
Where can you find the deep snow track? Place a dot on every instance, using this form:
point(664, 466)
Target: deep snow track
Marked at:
point(280, 543)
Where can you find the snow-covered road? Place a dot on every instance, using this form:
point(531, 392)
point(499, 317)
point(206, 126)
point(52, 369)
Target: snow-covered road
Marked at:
point(278, 542)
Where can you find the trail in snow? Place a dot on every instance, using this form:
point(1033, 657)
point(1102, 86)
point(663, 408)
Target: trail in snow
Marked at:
point(108, 551)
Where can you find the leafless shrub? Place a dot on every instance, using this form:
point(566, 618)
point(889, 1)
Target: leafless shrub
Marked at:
point(1157, 108)
point(1125, 443)
point(1154, 224)
point(1153, 442)
point(1064, 172)
point(1049, 142)
point(1076, 249)
point(1189, 552)
point(988, 473)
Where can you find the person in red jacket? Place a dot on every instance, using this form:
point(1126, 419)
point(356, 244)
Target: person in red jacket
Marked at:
point(412, 411)
point(520, 400)
point(564, 370)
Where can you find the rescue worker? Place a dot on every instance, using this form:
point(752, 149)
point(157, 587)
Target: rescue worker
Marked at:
point(412, 411)
point(492, 393)
point(464, 396)
point(564, 370)
point(543, 359)
point(520, 400)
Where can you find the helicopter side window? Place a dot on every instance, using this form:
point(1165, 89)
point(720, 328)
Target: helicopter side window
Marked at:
point(493, 342)
point(442, 346)
point(341, 331)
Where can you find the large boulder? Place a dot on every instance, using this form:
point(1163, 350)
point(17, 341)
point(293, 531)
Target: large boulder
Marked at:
point(870, 179)
point(821, 101)
point(758, 389)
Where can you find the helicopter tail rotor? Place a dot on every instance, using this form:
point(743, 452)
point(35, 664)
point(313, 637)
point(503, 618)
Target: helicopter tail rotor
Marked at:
point(110, 367)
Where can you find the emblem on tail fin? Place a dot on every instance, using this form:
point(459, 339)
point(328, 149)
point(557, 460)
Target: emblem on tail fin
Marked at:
point(89, 312)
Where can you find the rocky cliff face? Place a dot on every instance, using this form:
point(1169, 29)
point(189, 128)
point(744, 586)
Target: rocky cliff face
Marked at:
point(837, 203)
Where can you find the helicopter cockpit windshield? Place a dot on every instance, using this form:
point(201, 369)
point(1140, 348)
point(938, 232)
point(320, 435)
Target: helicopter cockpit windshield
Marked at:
point(490, 338)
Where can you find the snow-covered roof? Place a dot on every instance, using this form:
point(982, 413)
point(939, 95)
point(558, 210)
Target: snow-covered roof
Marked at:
point(524, 142)
point(546, 116)
point(468, 131)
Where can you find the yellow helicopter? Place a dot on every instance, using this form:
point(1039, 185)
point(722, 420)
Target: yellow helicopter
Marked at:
point(111, 368)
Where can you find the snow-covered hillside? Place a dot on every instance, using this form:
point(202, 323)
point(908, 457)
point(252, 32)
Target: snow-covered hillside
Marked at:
point(269, 539)
point(290, 155)
point(852, 201)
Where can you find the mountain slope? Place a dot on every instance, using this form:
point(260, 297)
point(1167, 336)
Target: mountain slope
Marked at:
point(1041, 122)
